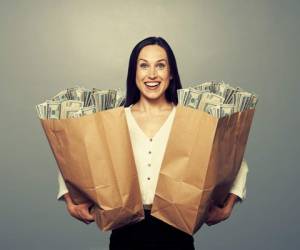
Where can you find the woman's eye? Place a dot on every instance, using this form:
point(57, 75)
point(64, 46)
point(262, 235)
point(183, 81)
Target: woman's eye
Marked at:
point(161, 65)
point(143, 65)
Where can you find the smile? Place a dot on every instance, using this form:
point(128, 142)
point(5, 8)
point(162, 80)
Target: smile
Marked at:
point(152, 85)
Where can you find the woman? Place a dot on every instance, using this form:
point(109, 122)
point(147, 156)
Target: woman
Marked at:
point(150, 107)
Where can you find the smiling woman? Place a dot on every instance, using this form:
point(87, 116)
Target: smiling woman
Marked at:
point(150, 107)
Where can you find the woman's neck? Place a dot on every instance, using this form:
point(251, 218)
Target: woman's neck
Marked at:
point(152, 106)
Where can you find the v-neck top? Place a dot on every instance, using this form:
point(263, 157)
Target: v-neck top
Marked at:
point(131, 120)
point(148, 152)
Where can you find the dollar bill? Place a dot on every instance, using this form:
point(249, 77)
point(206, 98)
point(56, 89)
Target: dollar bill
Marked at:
point(209, 98)
point(42, 110)
point(182, 95)
point(88, 110)
point(69, 106)
point(73, 114)
point(61, 96)
point(193, 98)
point(120, 97)
point(53, 110)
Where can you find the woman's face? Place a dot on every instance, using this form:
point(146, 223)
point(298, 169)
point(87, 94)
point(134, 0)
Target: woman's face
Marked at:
point(152, 72)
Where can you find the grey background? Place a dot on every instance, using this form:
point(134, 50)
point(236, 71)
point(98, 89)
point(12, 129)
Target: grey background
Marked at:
point(47, 46)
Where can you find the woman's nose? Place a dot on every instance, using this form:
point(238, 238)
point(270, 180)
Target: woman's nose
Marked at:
point(153, 72)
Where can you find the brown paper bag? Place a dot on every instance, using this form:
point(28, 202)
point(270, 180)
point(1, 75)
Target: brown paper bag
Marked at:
point(202, 159)
point(95, 157)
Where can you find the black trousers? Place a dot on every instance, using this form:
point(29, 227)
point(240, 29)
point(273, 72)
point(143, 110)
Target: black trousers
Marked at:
point(150, 234)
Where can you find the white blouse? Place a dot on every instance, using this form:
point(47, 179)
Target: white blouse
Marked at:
point(148, 156)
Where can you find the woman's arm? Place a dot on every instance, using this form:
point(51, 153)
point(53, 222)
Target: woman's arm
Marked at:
point(80, 212)
point(239, 185)
point(62, 188)
point(237, 193)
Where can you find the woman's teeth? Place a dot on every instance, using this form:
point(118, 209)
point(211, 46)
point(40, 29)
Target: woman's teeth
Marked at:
point(152, 84)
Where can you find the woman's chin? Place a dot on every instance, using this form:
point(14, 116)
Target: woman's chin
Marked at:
point(152, 97)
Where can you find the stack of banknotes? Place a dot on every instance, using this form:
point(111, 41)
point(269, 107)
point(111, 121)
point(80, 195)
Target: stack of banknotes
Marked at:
point(79, 101)
point(218, 99)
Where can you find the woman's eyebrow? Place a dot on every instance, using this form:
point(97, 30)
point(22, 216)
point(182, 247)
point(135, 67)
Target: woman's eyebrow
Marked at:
point(157, 60)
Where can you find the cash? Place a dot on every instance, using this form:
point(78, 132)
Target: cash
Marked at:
point(218, 99)
point(79, 101)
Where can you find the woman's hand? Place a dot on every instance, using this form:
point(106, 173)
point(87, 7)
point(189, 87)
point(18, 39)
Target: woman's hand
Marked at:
point(81, 211)
point(217, 214)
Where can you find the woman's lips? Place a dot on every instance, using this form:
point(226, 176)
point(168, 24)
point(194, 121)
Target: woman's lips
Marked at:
point(152, 85)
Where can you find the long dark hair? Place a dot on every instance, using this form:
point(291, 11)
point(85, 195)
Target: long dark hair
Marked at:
point(132, 91)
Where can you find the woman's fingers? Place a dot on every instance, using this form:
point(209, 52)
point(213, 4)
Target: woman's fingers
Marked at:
point(216, 215)
point(81, 212)
point(85, 214)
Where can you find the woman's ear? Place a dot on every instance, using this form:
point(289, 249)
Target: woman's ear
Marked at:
point(171, 77)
